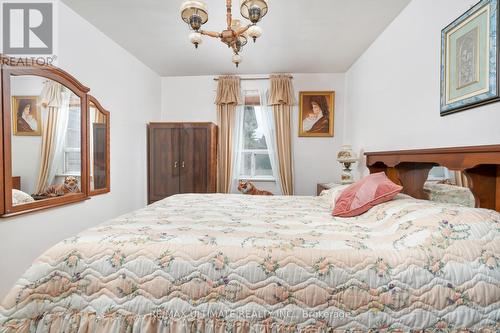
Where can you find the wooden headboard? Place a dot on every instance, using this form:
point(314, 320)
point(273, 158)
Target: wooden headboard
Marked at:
point(410, 169)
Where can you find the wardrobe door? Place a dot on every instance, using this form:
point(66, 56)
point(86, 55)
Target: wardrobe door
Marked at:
point(195, 156)
point(164, 161)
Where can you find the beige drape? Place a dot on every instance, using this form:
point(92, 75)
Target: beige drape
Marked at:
point(51, 99)
point(282, 100)
point(228, 98)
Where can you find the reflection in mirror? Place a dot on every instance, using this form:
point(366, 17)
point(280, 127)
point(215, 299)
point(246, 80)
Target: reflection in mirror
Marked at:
point(98, 148)
point(448, 186)
point(46, 140)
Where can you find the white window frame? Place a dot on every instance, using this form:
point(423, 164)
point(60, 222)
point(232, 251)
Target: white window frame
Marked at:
point(65, 171)
point(253, 176)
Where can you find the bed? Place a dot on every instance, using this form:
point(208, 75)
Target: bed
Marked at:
point(233, 263)
point(449, 193)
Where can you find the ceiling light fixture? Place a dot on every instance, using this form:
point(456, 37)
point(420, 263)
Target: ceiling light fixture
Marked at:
point(195, 14)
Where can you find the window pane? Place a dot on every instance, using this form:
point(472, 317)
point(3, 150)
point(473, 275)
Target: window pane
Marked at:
point(252, 129)
point(74, 118)
point(72, 162)
point(246, 169)
point(263, 165)
point(73, 138)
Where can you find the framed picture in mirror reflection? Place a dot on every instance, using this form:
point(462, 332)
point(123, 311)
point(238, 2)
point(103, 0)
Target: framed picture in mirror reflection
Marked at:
point(26, 116)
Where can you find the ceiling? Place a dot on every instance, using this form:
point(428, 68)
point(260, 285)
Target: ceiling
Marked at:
point(300, 36)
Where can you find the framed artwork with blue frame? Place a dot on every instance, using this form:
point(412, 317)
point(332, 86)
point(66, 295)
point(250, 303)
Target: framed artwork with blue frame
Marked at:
point(469, 59)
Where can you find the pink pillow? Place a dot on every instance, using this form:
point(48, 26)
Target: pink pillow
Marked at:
point(365, 194)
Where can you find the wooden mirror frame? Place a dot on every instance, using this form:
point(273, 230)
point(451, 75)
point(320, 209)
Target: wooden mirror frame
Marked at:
point(93, 100)
point(22, 67)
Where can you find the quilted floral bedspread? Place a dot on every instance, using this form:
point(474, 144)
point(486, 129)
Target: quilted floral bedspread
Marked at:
point(449, 194)
point(231, 263)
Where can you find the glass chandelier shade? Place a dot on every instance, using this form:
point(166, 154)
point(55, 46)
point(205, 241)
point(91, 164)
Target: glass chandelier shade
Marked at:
point(255, 32)
point(194, 13)
point(254, 10)
point(196, 38)
point(237, 59)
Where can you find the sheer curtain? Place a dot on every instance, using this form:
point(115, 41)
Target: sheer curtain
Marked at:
point(269, 130)
point(238, 146)
point(269, 125)
point(61, 129)
point(56, 99)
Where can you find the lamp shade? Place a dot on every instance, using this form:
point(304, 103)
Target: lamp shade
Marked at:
point(237, 58)
point(346, 155)
point(196, 38)
point(190, 9)
point(255, 32)
point(254, 10)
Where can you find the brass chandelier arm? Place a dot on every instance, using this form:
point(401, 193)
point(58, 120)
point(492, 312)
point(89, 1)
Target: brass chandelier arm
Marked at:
point(229, 14)
point(235, 48)
point(210, 33)
point(242, 30)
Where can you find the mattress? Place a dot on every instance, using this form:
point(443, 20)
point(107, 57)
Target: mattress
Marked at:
point(233, 263)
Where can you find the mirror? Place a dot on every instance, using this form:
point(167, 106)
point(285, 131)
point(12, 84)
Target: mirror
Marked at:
point(99, 148)
point(55, 139)
point(46, 140)
point(448, 186)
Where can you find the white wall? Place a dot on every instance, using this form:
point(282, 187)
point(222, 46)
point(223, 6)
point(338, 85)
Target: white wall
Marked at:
point(191, 99)
point(131, 91)
point(394, 88)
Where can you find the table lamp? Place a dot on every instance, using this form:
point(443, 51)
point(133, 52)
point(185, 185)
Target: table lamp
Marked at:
point(347, 157)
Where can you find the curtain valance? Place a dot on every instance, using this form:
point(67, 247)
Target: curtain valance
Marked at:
point(228, 91)
point(281, 92)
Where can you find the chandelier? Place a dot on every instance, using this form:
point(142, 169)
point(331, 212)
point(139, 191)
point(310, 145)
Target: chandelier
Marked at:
point(195, 14)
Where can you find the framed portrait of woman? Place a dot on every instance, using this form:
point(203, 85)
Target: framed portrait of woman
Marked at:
point(316, 113)
point(26, 116)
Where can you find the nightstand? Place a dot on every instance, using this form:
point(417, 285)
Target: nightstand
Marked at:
point(326, 186)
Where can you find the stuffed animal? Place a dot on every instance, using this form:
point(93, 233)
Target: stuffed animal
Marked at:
point(249, 188)
point(70, 185)
point(446, 182)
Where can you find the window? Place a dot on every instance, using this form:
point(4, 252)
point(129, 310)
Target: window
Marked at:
point(72, 143)
point(255, 159)
point(440, 173)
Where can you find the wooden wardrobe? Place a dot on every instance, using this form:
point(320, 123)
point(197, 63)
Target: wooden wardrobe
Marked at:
point(182, 159)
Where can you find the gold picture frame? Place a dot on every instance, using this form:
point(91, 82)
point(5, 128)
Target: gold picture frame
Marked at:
point(316, 114)
point(31, 123)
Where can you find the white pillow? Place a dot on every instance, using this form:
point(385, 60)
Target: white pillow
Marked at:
point(19, 198)
point(332, 194)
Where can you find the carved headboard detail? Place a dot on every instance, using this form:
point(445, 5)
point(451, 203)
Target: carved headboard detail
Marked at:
point(410, 169)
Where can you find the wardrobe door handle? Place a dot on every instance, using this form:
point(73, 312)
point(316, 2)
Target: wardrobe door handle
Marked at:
point(176, 164)
point(183, 164)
